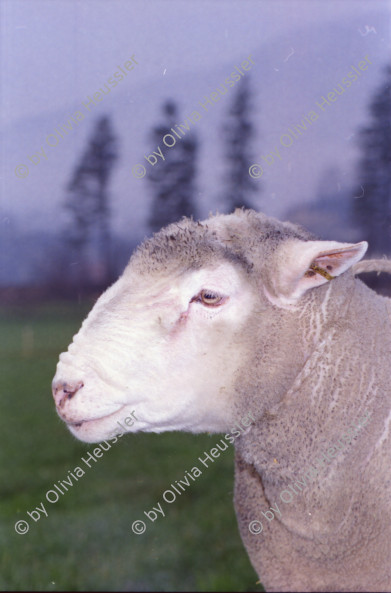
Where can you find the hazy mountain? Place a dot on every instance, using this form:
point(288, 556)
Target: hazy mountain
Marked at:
point(290, 75)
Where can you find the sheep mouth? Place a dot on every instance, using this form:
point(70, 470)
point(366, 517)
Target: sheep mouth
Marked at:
point(79, 423)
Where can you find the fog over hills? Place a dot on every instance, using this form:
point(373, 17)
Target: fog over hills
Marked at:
point(290, 75)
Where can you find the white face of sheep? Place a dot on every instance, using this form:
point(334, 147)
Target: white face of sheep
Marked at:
point(164, 348)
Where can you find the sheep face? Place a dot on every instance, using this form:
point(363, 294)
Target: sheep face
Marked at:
point(164, 346)
point(197, 305)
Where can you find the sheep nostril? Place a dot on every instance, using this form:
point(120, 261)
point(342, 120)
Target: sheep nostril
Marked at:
point(70, 391)
point(65, 391)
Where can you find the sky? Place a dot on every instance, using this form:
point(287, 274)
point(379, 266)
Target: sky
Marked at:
point(56, 53)
point(49, 47)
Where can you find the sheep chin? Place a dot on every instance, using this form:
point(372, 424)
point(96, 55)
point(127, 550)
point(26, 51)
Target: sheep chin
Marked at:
point(99, 429)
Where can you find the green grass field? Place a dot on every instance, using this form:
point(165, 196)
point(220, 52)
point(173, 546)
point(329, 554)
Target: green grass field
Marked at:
point(86, 542)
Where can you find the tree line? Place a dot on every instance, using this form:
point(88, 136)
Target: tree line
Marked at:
point(173, 184)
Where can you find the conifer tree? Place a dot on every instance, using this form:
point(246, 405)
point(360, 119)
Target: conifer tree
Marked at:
point(238, 131)
point(372, 194)
point(88, 202)
point(172, 181)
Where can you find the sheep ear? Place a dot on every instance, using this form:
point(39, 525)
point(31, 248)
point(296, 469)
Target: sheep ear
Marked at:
point(308, 264)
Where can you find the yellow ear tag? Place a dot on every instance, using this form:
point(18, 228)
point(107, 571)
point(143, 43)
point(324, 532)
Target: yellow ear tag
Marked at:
point(321, 271)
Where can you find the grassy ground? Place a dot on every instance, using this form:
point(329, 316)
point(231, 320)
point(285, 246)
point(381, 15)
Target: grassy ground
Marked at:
point(86, 542)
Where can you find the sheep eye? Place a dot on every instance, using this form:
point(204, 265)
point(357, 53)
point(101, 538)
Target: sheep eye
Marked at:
point(209, 298)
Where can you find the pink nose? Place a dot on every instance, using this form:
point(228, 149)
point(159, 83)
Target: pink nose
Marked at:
point(65, 391)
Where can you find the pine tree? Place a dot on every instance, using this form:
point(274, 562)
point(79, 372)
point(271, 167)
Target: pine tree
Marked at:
point(372, 195)
point(238, 132)
point(89, 234)
point(172, 181)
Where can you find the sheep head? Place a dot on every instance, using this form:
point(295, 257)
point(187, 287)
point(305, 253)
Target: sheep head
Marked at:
point(171, 338)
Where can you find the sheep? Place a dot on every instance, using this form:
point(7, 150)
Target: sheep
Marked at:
point(243, 313)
